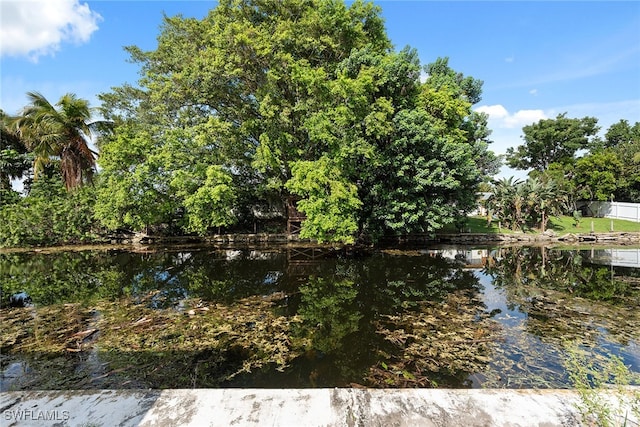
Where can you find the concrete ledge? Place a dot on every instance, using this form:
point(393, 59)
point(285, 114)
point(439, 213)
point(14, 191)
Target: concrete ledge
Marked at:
point(298, 407)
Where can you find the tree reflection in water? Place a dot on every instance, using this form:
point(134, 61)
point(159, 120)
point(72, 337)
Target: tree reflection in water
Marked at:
point(205, 317)
point(560, 296)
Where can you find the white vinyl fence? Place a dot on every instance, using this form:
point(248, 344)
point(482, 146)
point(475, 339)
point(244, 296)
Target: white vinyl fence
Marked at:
point(617, 210)
point(616, 257)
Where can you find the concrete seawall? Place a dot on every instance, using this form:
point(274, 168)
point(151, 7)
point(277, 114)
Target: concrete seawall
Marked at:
point(621, 238)
point(462, 237)
point(304, 407)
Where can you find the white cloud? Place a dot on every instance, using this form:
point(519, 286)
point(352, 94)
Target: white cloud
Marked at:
point(533, 92)
point(494, 111)
point(509, 59)
point(499, 117)
point(524, 117)
point(507, 127)
point(35, 28)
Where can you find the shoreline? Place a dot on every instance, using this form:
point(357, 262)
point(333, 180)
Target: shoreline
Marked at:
point(621, 238)
point(143, 243)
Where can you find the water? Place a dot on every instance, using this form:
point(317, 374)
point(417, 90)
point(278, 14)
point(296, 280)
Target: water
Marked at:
point(304, 317)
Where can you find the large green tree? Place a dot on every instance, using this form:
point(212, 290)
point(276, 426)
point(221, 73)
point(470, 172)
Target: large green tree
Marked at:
point(552, 141)
point(624, 142)
point(622, 133)
point(265, 100)
point(611, 170)
point(237, 87)
point(415, 151)
point(598, 175)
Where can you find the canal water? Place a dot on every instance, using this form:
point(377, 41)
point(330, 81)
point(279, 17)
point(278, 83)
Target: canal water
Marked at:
point(200, 317)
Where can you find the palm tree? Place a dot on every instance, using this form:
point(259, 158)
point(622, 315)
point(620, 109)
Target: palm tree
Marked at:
point(14, 160)
point(60, 132)
point(531, 202)
point(506, 202)
point(548, 200)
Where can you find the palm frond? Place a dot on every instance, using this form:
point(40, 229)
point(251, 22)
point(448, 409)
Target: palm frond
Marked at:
point(59, 132)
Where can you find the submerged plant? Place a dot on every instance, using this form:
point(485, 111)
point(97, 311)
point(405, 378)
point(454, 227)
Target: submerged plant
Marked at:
point(433, 343)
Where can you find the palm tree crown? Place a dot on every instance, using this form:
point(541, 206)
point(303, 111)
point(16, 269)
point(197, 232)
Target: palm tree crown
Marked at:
point(60, 132)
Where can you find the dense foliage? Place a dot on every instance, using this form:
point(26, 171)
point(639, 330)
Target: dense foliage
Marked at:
point(14, 158)
point(260, 102)
point(583, 165)
point(49, 215)
point(531, 203)
point(552, 141)
point(569, 164)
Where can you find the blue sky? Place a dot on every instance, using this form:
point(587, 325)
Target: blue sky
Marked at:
point(537, 59)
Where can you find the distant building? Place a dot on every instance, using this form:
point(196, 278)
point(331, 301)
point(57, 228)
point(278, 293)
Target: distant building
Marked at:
point(481, 208)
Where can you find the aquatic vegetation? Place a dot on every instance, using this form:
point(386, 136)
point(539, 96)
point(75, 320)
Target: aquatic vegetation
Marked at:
point(208, 317)
point(47, 344)
point(590, 376)
point(51, 329)
point(198, 345)
point(435, 341)
point(219, 341)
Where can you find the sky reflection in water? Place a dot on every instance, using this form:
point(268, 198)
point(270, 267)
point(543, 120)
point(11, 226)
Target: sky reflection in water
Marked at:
point(453, 317)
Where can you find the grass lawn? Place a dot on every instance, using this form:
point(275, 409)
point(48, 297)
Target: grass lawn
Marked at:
point(561, 225)
point(564, 224)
